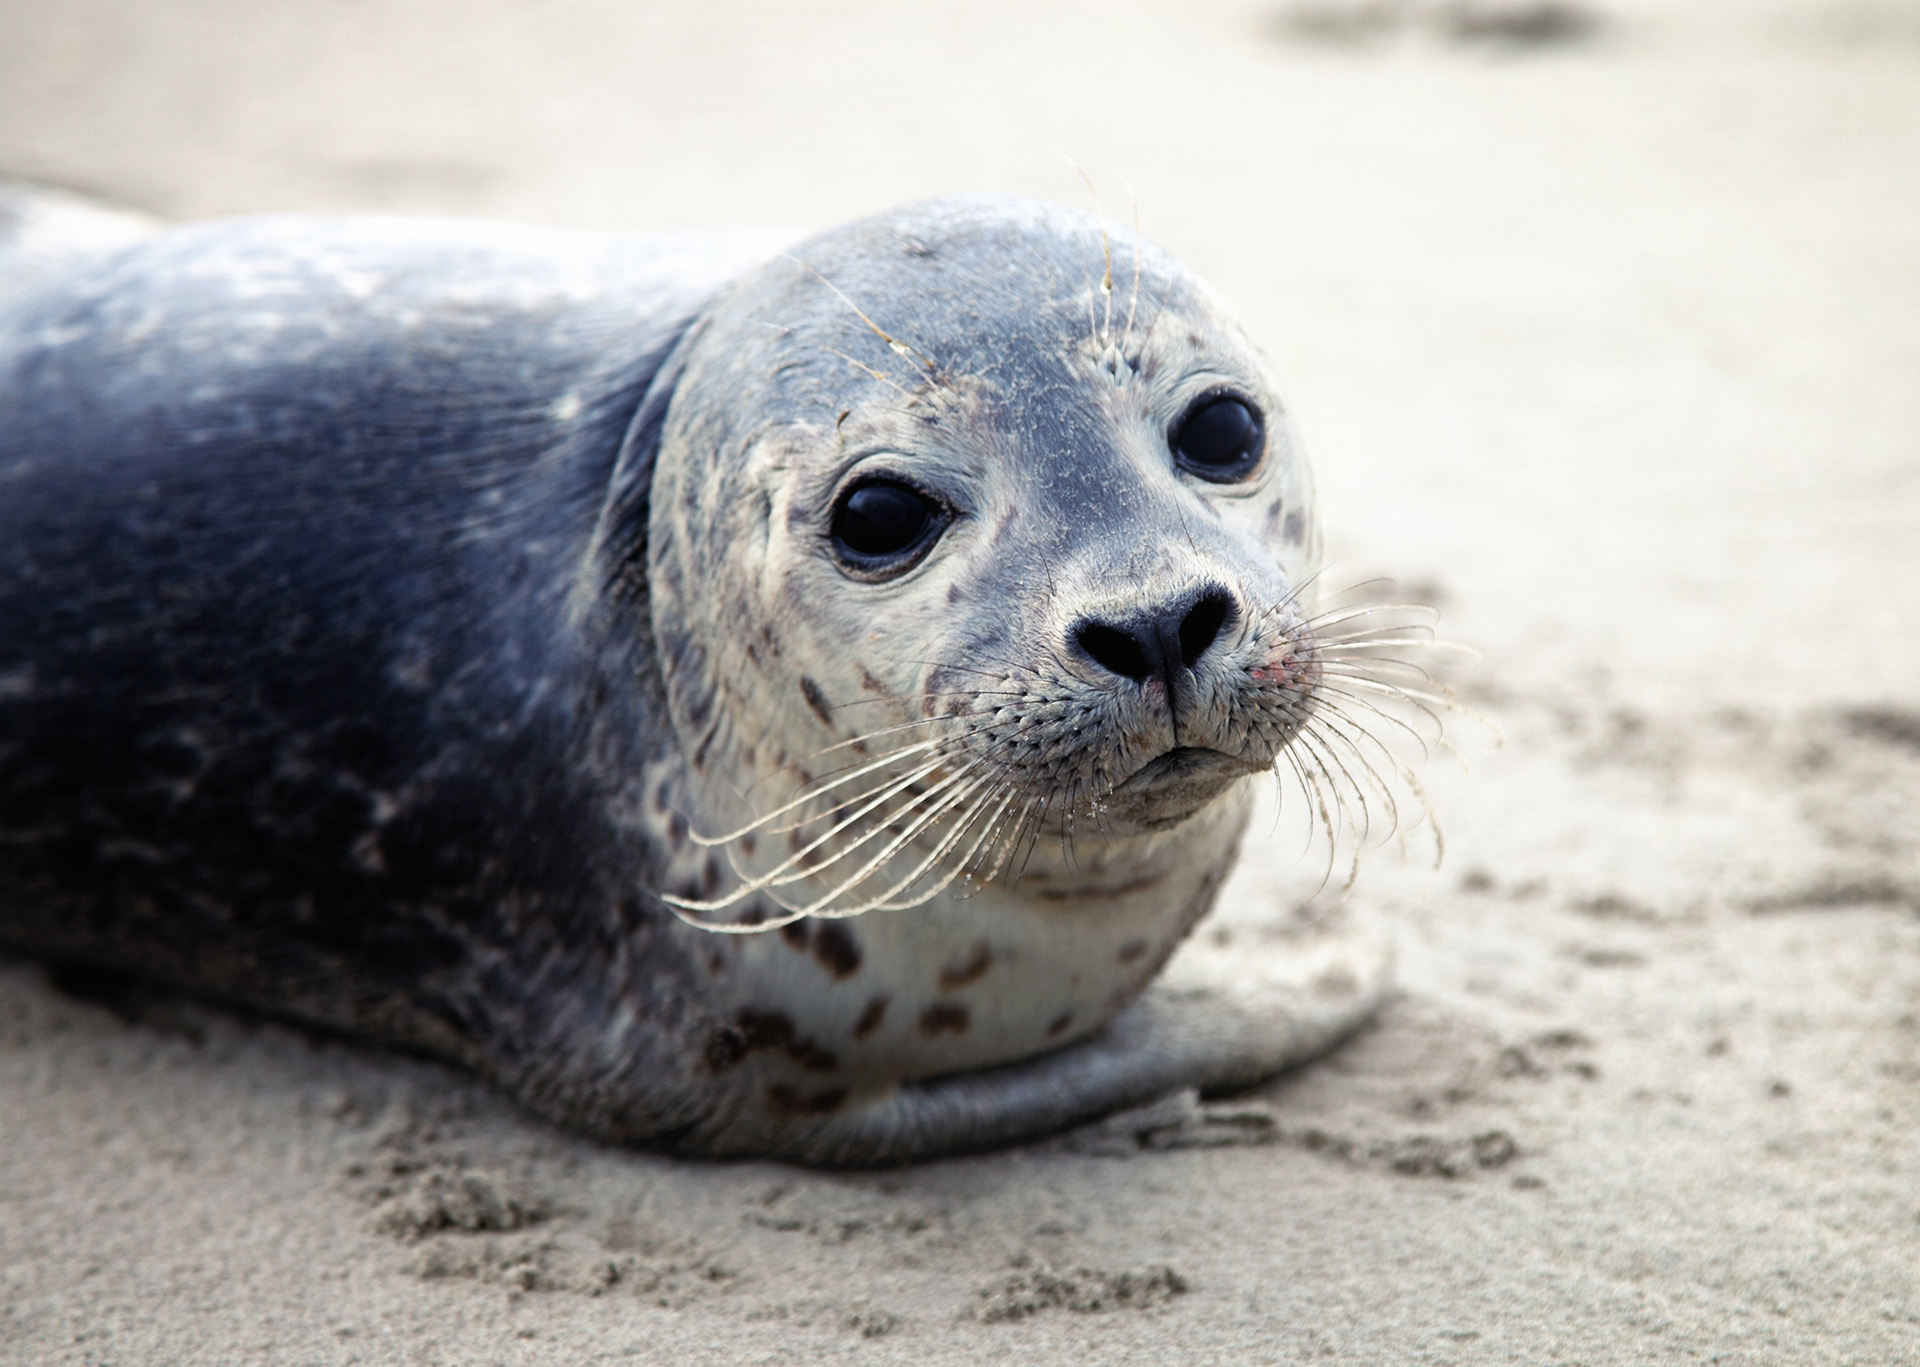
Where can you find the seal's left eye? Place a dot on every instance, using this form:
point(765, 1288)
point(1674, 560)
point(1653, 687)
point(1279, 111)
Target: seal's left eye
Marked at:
point(879, 526)
point(1220, 440)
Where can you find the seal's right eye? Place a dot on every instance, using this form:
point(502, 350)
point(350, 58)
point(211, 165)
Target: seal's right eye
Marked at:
point(1220, 440)
point(880, 527)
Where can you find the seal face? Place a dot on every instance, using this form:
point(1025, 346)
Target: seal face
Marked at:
point(783, 705)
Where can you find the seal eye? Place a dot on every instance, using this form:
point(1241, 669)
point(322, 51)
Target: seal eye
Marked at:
point(1220, 440)
point(878, 526)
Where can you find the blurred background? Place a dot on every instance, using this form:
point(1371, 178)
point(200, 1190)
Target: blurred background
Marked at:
point(1602, 317)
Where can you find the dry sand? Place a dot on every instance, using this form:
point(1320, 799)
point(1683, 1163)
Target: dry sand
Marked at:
point(1611, 344)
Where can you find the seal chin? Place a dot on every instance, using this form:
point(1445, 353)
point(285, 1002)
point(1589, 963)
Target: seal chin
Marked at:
point(1172, 786)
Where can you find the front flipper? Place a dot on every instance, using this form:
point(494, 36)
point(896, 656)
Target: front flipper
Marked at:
point(1220, 1018)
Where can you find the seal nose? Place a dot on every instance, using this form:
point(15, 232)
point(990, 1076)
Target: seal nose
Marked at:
point(1161, 640)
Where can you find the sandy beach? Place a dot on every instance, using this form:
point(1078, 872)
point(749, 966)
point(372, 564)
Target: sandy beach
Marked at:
point(1602, 322)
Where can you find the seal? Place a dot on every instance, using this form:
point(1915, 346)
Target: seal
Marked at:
point(740, 703)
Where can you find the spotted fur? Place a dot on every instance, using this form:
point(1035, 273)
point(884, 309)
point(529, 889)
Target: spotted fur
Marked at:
point(409, 628)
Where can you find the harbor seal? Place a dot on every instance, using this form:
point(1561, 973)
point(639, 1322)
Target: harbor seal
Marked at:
point(739, 702)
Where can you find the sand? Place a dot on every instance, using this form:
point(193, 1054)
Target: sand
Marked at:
point(1604, 328)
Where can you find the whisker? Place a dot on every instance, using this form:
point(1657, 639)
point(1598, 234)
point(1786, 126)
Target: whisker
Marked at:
point(999, 862)
point(986, 792)
point(876, 861)
point(891, 785)
point(1385, 690)
point(1134, 302)
point(1354, 646)
point(899, 348)
point(1381, 787)
point(959, 865)
point(784, 872)
point(932, 697)
point(1334, 698)
point(1404, 772)
point(838, 779)
point(1317, 795)
point(1393, 672)
point(1330, 761)
point(1319, 623)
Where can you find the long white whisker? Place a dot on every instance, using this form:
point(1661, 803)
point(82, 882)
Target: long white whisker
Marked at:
point(821, 906)
point(940, 886)
point(839, 779)
point(982, 798)
point(1329, 762)
point(785, 871)
point(1383, 789)
point(1337, 699)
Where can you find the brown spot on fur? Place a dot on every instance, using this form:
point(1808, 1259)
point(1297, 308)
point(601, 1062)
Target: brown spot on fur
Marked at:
point(725, 1049)
point(812, 1057)
point(969, 970)
point(764, 1029)
point(1058, 1025)
point(836, 949)
point(747, 843)
point(1295, 526)
point(873, 685)
point(716, 963)
point(943, 1017)
point(710, 877)
point(753, 1031)
point(796, 934)
point(816, 700)
point(788, 1101)
point(871, 1017)
point(1131, 950)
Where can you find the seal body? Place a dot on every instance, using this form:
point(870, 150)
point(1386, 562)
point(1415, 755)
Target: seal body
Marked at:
point(741, 703)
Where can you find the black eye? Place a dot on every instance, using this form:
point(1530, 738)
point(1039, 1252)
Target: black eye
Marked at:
point(1220, 440)
point(879, 526)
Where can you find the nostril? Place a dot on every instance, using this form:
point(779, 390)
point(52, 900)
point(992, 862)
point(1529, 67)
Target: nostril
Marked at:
point(1201, 626)
point(1115, 650)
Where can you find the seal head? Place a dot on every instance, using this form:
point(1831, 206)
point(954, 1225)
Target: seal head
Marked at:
point(984, 604)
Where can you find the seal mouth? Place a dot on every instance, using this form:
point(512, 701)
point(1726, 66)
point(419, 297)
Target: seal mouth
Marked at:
point(1182, 764)
point(1179, 770)
point(1171, 787)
